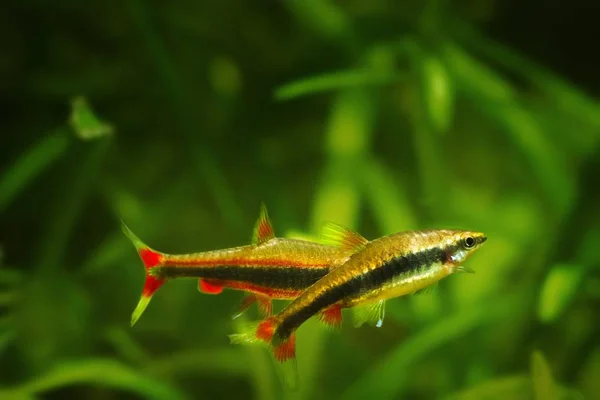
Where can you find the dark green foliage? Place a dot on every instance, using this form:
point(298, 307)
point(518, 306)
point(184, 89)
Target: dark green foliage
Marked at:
point(181, 117)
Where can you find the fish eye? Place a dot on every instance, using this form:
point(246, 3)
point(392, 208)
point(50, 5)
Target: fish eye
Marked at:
point(468, 242)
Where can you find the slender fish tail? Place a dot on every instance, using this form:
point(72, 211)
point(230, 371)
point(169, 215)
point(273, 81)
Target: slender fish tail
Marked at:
point(265, 331)
point(151, 259)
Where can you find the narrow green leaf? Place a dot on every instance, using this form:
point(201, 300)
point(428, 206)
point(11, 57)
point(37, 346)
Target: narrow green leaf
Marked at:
point(559, 289)
point(125, 345)
point(222, 361)
point(383, 379)
point(85, 123)
point(387, 201)
point(497, 99)
point(324, 17)
point(64, 215)
point(30, 165)
point(543, 383)
point(566, 96)
point(103, 372)
point(335, 81)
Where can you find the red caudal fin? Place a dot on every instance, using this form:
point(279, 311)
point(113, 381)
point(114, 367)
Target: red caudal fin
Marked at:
point(285, 350)
point(209, 286)
point(151, 260)
point(332, 316)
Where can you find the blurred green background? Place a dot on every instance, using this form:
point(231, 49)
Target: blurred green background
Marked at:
point(381, 115)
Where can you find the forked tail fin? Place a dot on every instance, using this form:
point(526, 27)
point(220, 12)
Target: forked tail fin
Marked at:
point(284, 350)
point(151, 259)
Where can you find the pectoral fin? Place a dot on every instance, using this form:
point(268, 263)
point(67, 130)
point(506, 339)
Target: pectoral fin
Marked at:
point(371, 314)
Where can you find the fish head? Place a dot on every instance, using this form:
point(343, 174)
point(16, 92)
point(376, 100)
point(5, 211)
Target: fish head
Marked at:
point(461, 245)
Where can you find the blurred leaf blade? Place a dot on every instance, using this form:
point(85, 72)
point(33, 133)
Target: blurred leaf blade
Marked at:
point(334, 81)
point(31, 164)
point(383, 381)
point(85, 123)
point(558, 291)
point(104, 372)
point(543, 383)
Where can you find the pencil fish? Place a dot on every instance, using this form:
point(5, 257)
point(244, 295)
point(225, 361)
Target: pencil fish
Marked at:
point(269, 268)
point(378, 270)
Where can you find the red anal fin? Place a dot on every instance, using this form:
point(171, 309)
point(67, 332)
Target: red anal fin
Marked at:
point(285, 350)
point(209, 287)
point(244, 305)
point(332, 316)
point(263, 230)
point(264, 305)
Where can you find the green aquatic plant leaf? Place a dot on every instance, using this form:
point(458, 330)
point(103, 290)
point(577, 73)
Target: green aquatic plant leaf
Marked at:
point(566, 96)
point(85, 123)
point(543, 382)
point(94, 371)
point(30, 164)
point(383, 380)
point(335, 81)
point(437, 92)
point(497, 99)
point(511, 387)
point(386, 198)
point(558, 290)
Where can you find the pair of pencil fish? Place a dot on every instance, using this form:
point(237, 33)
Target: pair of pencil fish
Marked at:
point(344, 271)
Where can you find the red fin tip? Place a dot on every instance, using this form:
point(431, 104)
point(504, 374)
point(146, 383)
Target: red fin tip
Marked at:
point(151, 285)
point(332, 316)
point(286, 350)
point(265, 306)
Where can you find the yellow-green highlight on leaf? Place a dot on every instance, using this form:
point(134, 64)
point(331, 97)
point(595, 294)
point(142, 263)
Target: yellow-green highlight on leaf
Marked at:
point(559, 289)
point(543, 383)
point(437, 92)
point(31, 164)
point(102, 372)
point(383, 379)
point(335, 81)
point(85, 123)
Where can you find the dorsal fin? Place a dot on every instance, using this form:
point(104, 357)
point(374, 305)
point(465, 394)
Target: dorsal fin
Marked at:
point(263, 230)
point(343, 237)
